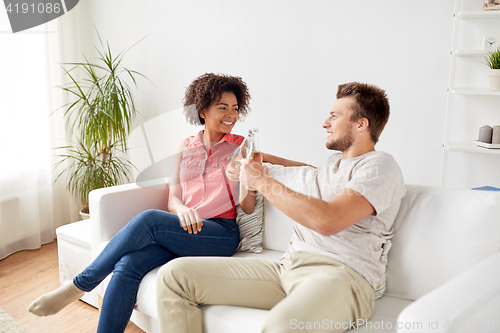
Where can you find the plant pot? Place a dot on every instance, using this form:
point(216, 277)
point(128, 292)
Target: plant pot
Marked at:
point(495, 79)
point(84, 216)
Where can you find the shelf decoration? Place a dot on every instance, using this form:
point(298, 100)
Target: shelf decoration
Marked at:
point(485, 134)
point(489, 137)
point(495, 139)
point(493, 62)
point(488, 145)
point(490, 43)
point(491, 5)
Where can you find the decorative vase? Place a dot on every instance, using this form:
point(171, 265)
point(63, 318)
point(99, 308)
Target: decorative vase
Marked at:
point(495, 79)
point(84, 216)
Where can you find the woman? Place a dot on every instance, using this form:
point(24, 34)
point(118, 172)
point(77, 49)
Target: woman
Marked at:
point(201, 220)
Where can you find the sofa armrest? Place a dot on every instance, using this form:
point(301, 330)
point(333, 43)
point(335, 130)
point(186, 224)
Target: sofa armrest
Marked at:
point(467, 303)
point(111, 208)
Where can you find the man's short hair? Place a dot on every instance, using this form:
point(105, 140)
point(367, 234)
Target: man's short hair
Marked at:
point(371, 103)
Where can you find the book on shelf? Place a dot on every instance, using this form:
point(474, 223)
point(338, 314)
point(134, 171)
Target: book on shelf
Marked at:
point(486, 188)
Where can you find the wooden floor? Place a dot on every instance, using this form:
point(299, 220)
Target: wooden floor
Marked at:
point(26, 275)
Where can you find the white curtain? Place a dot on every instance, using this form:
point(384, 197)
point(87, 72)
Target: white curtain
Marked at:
point(31, 207)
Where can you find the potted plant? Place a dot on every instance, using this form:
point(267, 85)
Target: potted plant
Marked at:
point(493, 62)
point(98, 122)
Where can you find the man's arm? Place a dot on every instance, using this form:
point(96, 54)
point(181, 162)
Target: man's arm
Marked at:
point(326, 218)
point(268, 158)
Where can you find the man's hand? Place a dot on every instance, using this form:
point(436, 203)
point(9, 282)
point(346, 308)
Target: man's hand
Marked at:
point(190, 220)
point(252, 174)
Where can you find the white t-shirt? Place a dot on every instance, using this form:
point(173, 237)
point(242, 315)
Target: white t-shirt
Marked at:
point(378, 178)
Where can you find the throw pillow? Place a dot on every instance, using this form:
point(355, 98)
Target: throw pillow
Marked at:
point(251, 227)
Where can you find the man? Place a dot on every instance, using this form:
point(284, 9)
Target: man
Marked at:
point(327, 277)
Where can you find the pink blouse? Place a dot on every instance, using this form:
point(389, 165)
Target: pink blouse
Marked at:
point(203, 180)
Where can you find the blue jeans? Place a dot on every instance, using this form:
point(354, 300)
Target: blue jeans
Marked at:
point(150, 239)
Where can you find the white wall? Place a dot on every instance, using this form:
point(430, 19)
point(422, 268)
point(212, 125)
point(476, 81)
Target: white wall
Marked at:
point(293, 54)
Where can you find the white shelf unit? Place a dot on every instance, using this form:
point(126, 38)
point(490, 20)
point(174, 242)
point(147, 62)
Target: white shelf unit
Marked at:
point(467, 54)
point(470, 53)
point(474, 91)
point(494, 14)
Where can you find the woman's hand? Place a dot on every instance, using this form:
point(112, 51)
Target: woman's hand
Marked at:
point(190, 219)
point(233, 171)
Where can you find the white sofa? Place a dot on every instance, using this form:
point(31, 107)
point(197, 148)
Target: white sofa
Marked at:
point(443, 272)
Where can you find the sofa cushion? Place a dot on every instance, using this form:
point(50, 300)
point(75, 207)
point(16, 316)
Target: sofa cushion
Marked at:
point(430, 232)
point(147, 288)
point(224, 318)
point(234, 319)
point(265, 255)
point(146, 294)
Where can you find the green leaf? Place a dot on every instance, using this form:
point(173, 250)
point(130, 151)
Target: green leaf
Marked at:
point(493, 59)
point(98, 118)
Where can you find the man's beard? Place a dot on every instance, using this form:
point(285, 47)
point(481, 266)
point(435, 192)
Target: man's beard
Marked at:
point(341, 144)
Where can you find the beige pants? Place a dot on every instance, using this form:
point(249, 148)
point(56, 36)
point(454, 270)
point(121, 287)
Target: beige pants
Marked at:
point(305, 292)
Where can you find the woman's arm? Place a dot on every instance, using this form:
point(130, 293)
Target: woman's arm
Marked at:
point(175, 194)
point(268, 158)
point(187, 216)
point(247, 199)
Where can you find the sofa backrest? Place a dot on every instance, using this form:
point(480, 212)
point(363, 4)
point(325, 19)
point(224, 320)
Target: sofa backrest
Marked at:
point(278, 226)
point(438, 232)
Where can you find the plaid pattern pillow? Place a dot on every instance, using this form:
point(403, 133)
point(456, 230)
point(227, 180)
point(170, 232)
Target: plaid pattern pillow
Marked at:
point(251, 227)
point(380, 290)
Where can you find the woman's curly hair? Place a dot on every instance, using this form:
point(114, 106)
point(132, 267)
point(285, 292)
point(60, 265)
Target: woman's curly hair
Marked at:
point(208, 89)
